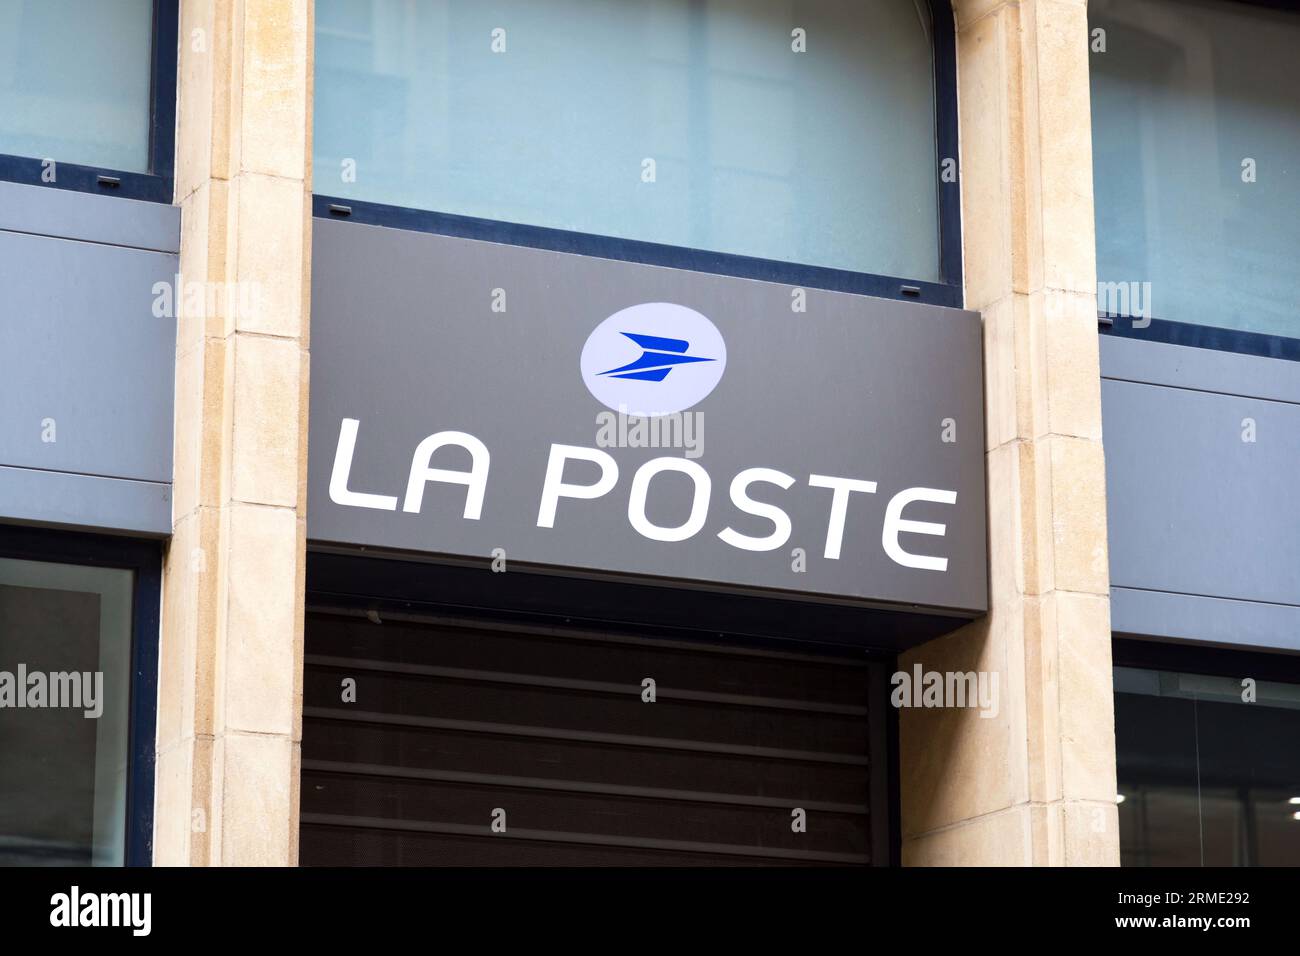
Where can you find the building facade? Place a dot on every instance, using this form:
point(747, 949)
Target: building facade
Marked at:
point(672, 432)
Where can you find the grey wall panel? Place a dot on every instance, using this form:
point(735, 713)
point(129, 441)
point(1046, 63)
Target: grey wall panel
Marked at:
point(86, 369)
point(80, 347)
point(107, 219)
point(1202, 370)
point(1204, 526)
point(1192, 507)
point(85, 501)
point(1209, 620)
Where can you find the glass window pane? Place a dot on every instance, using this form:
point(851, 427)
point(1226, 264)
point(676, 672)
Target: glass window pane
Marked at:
point(1196, 134)
point(825, 157)
point(1205, 778)
point(75, 81)
point(65, 650)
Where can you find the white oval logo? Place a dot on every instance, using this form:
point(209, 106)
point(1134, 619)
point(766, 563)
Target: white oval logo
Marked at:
point(653, 359)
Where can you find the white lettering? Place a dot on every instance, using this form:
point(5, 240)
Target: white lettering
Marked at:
point(475, 479)
point(740, 498)
point(699, 504)
point(895, 524)
point(839, 507)
point(339, 493)
point(554, 488)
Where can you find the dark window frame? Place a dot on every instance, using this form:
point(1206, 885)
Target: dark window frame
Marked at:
point(1133, 651)
point(947, 292)
point(1197, 336)
point(156, 184)
point(143, 557)
point(1194, 335)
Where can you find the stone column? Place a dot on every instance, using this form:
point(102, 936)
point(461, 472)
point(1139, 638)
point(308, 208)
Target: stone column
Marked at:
point(230, 682)
point(1036, 783)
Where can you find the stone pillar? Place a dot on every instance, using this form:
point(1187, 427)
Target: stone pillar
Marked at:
point(230, 681)
point(1036, 783)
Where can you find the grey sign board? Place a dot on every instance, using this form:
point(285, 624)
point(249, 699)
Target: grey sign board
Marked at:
point(487, 401)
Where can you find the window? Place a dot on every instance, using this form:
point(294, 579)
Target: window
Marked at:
point(689, 124)
point(1207, 776)
point(87, 96)
point(1196, 134)
point(78, 615)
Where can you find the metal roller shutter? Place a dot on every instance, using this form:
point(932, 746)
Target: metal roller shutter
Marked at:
point(454, 719)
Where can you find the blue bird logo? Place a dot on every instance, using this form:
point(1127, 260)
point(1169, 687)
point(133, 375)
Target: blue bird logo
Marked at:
point(659, 356)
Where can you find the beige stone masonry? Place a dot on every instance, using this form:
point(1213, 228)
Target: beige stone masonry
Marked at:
point(230, 673)
point(1034, 785)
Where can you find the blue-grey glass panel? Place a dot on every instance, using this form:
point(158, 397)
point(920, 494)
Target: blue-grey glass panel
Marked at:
point(550, 113)
point(1196, 140)
point(65, 649)
point(75, 81)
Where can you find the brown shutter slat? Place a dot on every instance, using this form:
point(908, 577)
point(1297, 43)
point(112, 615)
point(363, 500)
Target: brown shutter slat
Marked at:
point(454, 719)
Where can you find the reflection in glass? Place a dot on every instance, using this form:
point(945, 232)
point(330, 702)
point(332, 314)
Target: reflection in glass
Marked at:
point(686, 122)
point(1195, 139)
point(1206, 778)
point(63, 775)
point(75, 81)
